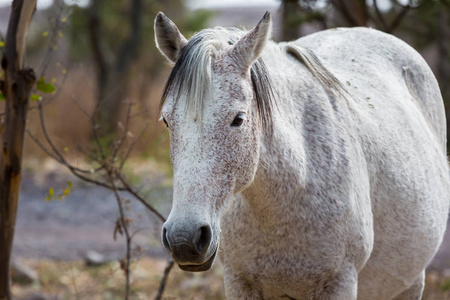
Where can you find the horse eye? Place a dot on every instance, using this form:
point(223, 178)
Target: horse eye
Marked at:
point(238, 120)
point(165, 122)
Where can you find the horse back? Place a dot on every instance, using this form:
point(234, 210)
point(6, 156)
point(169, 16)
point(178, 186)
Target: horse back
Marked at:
point(376, 66)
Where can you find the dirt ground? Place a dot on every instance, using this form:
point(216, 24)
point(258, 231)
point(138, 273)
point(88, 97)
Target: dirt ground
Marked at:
point(63, 231)
point(85, 219)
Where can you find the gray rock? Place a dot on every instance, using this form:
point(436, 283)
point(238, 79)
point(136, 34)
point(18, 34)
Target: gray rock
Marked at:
point(93, 258)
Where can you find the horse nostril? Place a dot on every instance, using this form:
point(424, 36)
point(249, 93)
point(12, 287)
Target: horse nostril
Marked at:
point(165, 241)
point(204, 239)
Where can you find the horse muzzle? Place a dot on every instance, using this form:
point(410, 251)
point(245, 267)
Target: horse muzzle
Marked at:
point(190, 248)
point(200, 267)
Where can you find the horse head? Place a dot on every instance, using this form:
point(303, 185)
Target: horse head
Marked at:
point(215, 105)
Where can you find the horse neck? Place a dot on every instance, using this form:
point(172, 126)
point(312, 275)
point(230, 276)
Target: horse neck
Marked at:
point(303, 128)
point(279, 178)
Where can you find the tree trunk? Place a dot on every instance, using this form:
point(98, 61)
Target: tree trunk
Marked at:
point(112, 93)
point(16, 88)
point(290, 25)
point(352, 12)
point(112, 74)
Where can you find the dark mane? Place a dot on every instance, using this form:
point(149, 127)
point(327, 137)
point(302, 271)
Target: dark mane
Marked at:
point(191, 73)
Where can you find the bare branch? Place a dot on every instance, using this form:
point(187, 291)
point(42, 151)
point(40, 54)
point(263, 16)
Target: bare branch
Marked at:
point(74, 100)
point(56, 153)
point(136, 195)
point(380, 16)
point(96, 182)
point(133, 143)
point(111, 180)
point(58, 91)
point(47, 136)
point(398, 18)
point(76, 171)
point(162, 285)
point(43, 148)
point(343, 9)
point(121, 140)
point(52, 42)
point(95, 131)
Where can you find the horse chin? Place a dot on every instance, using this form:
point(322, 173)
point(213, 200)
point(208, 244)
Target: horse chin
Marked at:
point(200, 268)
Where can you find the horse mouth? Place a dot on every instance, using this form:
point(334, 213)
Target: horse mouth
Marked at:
point(201, 267)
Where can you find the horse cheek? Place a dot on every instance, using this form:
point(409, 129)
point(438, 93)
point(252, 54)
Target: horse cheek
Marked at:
point(249, 161)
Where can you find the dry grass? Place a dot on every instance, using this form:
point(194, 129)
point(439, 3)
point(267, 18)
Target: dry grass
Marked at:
point(437, 286)
point(75, 280)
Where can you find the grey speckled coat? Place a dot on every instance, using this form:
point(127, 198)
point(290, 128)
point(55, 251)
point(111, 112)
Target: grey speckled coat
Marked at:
point(339, 189)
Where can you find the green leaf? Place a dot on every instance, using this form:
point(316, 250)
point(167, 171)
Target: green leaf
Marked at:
point(35, 97)
point(69, 184)
point(44, 87)
point(2, 44)
point(2, 97)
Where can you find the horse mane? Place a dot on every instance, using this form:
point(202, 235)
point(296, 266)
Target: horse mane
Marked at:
point(191, 75)
point(330, 83)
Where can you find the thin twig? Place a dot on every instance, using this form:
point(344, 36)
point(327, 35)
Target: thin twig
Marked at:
point(53, 37)
point(43, 148)
point(398, 18)
point(58, 91)
point(47, 136)
point(163, 282)
point(123, 137)
point(111, 180)
point(380, 15)
point(133, 143)
point(74, 100)
point(136, 195)
point(55, 150)
point(95, 131)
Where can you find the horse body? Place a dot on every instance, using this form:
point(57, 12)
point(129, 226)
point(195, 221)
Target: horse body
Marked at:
point(346, 198)
point(359, 171)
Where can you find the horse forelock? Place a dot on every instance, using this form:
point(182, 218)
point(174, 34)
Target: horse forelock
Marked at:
point(191, 75)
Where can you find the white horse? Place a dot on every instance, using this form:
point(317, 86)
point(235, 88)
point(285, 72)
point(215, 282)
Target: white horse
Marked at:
point(320, 164)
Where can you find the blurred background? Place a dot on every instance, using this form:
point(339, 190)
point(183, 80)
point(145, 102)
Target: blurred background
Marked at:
point(98, 55)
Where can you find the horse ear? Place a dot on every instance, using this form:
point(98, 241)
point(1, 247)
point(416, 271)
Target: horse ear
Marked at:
point(168, 38)
point(250, 46)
